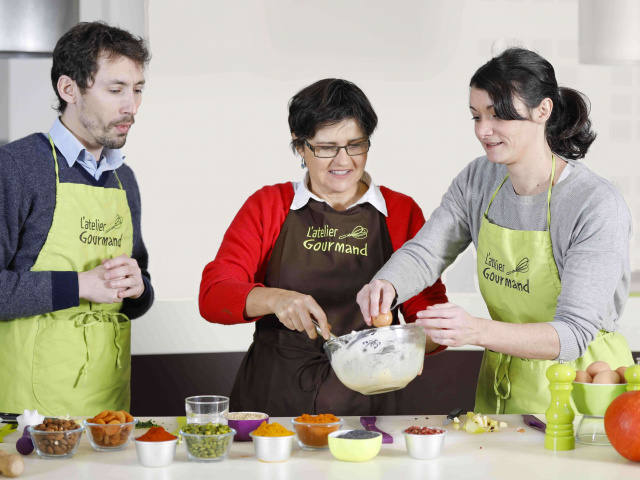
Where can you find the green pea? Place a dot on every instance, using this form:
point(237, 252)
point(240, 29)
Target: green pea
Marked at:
point(207, 446)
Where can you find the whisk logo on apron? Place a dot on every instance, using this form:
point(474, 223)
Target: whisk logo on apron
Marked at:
point(495, 272)
point(325, 245)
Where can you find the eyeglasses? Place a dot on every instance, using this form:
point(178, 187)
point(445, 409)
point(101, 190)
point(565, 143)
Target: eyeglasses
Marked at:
point(326, 151)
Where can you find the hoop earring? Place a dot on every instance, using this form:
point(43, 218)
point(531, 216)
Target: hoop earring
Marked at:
point(303, 164)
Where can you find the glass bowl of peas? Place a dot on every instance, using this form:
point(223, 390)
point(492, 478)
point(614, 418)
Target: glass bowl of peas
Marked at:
point(207, 442)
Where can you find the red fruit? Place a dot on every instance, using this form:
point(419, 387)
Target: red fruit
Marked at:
point(622, 424)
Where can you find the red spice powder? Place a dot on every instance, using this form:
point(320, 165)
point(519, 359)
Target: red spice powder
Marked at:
point(156, 434)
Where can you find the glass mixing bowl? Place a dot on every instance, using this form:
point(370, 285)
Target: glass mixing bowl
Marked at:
point(378, 360)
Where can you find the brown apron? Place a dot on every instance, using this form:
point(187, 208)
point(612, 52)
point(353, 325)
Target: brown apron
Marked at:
point(329, 255)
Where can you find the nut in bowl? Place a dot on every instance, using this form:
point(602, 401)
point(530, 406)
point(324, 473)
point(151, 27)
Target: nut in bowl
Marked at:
point(245, 423)
point(313, 430)
point(209, 442)
point(110, 430)
point(355, 445)
point(424, 443)
point(56, 438)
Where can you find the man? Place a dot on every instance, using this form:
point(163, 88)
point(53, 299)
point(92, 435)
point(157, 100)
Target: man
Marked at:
point(73, 266)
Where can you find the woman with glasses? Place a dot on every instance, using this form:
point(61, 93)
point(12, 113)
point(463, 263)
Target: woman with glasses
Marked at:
point(300, 251)
point(552, 240)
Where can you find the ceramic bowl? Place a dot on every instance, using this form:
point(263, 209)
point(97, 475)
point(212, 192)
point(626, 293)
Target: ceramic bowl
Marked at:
point(314, 436)
point(354, 450)
point(245, 427)
point(425, 447)
point(272, 449)
point(594, 398)
point(111, 437)
point(155, 454)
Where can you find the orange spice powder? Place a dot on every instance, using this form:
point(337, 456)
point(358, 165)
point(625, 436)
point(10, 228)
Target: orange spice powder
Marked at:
point(322, 418)
point(272, 430)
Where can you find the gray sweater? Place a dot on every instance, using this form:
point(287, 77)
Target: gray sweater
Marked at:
point(27, 202)
point(590, 233)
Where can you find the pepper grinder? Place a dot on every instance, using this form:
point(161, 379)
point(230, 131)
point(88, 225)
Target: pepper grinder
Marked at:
point(632, 376)
point(560, 414)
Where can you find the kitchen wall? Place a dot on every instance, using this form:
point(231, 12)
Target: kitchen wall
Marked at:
point(212, 128)
point(213, 125)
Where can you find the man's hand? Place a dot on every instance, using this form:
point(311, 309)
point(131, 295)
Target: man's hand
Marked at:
point(93, 286)
point(124, 275)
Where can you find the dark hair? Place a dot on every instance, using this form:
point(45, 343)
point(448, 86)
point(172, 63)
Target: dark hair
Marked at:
point(325, 103)
point(77, 52)
point(524, 74)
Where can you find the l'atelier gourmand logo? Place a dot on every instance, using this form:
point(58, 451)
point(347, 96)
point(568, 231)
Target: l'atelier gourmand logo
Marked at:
point(500, 278)
point(318, 240)
point(94, 232)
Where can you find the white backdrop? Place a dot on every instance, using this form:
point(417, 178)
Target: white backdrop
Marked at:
point(212, 127)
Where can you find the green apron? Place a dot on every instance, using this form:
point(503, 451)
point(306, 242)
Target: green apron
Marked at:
point(519, 281)
point(75, 361)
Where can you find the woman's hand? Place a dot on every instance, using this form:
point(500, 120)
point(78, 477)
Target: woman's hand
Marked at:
point(295, 311)
point(449, 324)
point(375, 298)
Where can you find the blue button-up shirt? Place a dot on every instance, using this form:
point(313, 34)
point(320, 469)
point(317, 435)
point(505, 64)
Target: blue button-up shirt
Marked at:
point(74, 151)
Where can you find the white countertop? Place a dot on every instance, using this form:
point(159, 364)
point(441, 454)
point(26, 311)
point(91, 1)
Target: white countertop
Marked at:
point(506, 454)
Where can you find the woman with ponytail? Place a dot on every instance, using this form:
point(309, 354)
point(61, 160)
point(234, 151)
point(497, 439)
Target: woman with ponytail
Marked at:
point(552, 240)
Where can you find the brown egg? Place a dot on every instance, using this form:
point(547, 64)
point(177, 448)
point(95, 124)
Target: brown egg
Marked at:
point(583, 377)
point(607, 376)
point(597, 367)
point(383, 320)
point(621, 371)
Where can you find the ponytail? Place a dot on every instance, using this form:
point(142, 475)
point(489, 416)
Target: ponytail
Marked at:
point(568, 130)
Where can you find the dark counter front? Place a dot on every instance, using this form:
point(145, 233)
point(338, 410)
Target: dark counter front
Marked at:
point(160, 383)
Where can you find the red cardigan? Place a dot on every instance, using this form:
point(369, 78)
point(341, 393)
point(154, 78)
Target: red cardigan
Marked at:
point(242, 259)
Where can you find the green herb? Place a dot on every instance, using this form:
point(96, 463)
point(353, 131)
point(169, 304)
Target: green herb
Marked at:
point(147, 424)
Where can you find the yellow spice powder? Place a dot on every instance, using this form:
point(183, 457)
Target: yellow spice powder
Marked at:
point(272, 430)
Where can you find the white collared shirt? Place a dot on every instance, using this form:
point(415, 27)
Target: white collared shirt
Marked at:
point(372, 196)
point(73, 151)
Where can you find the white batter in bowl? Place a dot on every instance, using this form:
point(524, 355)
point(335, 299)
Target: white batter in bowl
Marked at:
point(378, 360)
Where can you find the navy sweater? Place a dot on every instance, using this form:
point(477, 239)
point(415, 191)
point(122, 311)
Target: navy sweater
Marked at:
point(27, 201)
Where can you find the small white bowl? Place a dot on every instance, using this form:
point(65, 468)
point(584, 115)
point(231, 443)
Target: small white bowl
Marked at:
point(425, 447)
point(155, 454)
point(272, 449)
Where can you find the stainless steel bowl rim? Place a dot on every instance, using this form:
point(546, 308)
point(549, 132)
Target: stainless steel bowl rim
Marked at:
point(147, 442)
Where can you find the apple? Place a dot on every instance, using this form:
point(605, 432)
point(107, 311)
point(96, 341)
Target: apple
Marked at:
point(622, 424)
